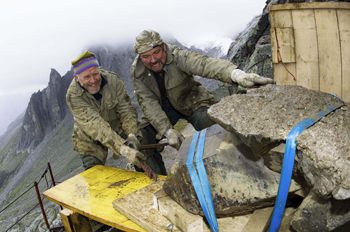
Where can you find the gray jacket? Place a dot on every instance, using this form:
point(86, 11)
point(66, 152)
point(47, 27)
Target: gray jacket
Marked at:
point(185, 94)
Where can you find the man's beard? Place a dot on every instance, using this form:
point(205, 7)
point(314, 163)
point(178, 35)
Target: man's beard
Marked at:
point(159, 68)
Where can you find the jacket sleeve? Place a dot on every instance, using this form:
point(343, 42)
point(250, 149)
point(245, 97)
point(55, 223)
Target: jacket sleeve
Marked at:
point(194, 63)
point(151, 108)
point(128, 114)
point(90, 121)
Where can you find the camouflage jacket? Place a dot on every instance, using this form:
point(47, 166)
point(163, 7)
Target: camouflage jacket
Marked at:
point(97, 125)
point(185, 94)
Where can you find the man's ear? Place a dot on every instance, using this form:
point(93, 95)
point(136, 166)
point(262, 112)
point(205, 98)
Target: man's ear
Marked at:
point(164, 47)
point(76, 78)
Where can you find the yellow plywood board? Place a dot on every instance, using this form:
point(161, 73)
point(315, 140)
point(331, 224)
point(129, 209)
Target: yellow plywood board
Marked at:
point(92, 192)
point(344, 32)
point(281, 76)
point(329, 51)
point(307, 52)
point(284, 39)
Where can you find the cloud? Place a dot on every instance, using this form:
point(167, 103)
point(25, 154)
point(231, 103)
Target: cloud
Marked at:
point(38, 35)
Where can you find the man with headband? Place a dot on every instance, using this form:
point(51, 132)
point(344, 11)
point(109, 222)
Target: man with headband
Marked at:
point(104, 117)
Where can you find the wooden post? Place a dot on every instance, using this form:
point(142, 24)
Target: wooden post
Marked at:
point(41, 204)
point(74, 222)
point(52, 178)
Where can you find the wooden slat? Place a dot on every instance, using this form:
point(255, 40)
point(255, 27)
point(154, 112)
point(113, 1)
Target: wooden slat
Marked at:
point(281, 19)
point(91, 193)
point(65, 214)
point(74, 222)
point(307, 52)
point(329, 51)
point(138, 206)
point(284, 38)
point(310, 5)
point(344, 32)
point(187, 222)
point(259, 221)
point(281, 76)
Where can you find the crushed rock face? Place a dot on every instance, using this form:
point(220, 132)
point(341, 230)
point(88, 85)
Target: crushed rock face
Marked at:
point(324, 151)
point(271, 111)
point(266, 115)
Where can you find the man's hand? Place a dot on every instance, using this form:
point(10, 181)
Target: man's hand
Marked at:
point(132, 155)
point(248, 80)
point(133, 142)
point(175, 138)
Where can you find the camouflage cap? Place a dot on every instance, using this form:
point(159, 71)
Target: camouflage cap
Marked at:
point(84, 61)
point(146, 41)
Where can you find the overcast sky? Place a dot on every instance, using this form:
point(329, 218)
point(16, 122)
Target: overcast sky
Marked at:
point(38, 35)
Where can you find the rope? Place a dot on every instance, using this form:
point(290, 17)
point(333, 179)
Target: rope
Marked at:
point(279, 56)
point(24, 216)
point(16, 199)
point(42, 200)
point(47, 183)
point(44, 174)
point(262, 60)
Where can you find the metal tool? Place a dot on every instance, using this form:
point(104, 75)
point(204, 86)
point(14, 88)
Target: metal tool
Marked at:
point(170, 227)
point(150, 146)
point(150, 173)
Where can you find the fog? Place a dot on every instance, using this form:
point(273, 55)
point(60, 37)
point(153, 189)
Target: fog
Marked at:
point(38, 35)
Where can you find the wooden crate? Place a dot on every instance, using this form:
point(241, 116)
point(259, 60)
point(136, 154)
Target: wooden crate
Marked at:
point(314, 43)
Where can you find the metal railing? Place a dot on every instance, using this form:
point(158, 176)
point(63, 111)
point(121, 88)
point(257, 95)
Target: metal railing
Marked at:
point(40, 199)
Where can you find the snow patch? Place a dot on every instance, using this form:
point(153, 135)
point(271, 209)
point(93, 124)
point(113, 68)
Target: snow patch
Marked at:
point(210, 43)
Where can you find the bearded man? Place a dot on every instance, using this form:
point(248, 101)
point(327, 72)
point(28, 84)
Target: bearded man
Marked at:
point(163, 78)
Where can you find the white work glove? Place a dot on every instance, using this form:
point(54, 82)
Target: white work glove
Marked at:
point(248, 80)
point(133, 142)
point(132, 155)
point(175, 138)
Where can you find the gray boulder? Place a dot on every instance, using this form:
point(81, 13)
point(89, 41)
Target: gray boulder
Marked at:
point(263, 118)
point(324, 155)
point(239, 182)
point(317, 214)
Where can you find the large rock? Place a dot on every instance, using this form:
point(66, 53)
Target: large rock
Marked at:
point(251, 51)
point(260, 62)
point(269, 113)
point(265, 116)
point(46, 109)
point(317, 214)
point(239, 182)
point(324, 154)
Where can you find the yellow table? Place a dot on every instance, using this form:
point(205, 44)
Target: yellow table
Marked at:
point(92, 192)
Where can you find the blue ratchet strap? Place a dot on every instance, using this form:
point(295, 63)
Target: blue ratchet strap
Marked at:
point(201, 183)
point(288, 163)
point(205, 183)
